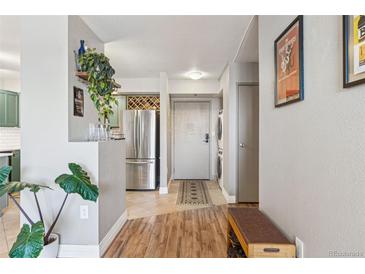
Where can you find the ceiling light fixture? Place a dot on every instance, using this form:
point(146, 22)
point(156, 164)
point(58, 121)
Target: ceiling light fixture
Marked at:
point(195, 75)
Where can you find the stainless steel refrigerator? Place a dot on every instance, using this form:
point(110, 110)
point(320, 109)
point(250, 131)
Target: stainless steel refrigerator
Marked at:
point(141, 134)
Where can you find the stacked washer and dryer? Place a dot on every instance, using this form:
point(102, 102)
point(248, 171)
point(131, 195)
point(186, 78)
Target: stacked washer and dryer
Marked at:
point(220, 148)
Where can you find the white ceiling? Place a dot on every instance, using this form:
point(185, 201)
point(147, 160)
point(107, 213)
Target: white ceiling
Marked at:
point(144, 46)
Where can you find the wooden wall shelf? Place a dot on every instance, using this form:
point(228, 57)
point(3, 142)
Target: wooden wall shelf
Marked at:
point(83, 75)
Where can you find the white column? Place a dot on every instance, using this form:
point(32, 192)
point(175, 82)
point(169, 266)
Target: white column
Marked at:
point(164, 107)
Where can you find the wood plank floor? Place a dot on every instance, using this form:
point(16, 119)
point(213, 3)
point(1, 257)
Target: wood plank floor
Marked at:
point(198, 233)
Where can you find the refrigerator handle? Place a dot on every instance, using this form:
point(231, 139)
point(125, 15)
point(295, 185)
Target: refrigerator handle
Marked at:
point(140, 163)
point(138, 133)
point(141, 132)
point(135, 118)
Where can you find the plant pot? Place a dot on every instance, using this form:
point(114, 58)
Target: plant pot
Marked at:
point(51, 250)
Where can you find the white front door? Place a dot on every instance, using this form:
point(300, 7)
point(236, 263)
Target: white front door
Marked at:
point(191, 140)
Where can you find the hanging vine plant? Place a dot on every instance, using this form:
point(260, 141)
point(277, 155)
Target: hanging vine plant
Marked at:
point(100, 82)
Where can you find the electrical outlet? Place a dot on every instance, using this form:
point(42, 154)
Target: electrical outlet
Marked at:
point(299, 247)
point(84, 212)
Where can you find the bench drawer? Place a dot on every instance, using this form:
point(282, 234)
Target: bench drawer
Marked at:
point(271, 250)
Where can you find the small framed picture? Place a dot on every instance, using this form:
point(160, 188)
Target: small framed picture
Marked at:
point(289, 65)
point(78, 102)
point(353, 50)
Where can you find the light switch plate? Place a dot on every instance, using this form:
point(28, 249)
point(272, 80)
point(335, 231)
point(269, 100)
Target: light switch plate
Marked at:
point(299, 247)
point(84, 212)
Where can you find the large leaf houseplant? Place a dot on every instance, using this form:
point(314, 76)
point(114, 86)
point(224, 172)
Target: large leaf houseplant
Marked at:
point(33, 237)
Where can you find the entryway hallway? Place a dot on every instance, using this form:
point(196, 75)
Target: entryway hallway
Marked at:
point(151, 203)
point(159, 228)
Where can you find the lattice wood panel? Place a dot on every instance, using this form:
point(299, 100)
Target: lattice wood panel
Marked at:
point(143, 102)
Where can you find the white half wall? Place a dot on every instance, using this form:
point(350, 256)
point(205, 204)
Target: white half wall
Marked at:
point(312, 153)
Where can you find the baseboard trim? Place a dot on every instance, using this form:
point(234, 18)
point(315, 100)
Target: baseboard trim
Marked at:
point(113, 232)
point(78, 251)
point(164, 190)
point(231, 199)
point(93, 251)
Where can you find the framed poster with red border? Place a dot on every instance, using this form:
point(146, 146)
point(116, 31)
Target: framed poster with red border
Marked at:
point(289, 67)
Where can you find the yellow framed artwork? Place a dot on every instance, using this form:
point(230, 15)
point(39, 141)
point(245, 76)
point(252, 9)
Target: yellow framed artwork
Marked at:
point(353, 50)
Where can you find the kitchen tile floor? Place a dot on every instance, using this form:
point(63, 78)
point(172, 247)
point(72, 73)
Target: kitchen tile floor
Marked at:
point(150, 203)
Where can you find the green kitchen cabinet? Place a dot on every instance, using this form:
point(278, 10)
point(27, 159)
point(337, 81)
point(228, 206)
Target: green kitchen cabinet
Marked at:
point(2, 109)
point(9, 109)
point(15, 165)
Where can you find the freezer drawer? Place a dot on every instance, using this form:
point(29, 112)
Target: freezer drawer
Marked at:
point(141, 174)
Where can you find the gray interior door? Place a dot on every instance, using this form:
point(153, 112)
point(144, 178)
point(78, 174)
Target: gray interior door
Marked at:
point(248, 156)
point(191, 140)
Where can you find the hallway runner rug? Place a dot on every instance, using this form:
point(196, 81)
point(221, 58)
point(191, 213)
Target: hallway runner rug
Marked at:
point(193, 192)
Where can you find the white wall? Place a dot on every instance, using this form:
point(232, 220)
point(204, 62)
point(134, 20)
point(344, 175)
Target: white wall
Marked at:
point(79, 126)
point(312, 153)
point(193, 86)
point(12, 84)
point(44, 118)
point(138, 85)
point(234, 73)
point(152, 85)
point(46, 149)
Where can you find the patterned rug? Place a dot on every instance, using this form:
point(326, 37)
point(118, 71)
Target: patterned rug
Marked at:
point(193, 192)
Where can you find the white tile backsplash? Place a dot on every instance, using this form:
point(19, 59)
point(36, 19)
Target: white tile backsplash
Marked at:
point(9, 138)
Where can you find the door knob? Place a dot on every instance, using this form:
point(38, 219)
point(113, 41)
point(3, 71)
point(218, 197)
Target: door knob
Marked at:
point(242, 145)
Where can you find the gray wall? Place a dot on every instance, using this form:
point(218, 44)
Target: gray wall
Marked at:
point(312, 153)
point(44, 136)
point(46, 149)
point(111, 184)
point(235, 73)
point(78, 127)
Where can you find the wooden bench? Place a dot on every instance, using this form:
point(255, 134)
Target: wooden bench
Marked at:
point(256, 234)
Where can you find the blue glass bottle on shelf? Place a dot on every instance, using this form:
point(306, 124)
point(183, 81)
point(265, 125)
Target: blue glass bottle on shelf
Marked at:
point(82, 47)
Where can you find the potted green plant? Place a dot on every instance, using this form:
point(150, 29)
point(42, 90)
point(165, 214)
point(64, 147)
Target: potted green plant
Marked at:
point(33, 240)
point(101, 84)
